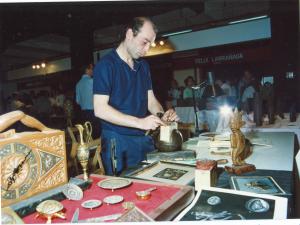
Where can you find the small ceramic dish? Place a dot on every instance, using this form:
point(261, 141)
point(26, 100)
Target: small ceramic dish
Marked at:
point(72, 192)
point(113, 199)
point(90, 204)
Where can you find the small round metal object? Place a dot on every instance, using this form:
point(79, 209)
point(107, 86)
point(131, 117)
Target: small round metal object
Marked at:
point(214, 200)
point(90, 204)
point(144, 195)
point(257, 205)
point(73, 192)
point(114, 183)
point(113, 199)
point(128, 205)
point(49, 207)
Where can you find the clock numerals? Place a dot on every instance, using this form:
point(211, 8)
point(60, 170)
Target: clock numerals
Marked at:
point(13, 177)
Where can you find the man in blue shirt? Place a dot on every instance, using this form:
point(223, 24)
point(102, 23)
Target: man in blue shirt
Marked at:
point(123, 96)
point(84, 98)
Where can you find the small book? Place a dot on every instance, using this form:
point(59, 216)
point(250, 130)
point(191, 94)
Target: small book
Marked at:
point(256, 184)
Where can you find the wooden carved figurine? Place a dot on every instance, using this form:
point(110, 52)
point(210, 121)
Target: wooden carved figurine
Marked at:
point(241, 147)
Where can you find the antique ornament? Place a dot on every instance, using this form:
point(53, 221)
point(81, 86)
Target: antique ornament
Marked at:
point(73, 192)
point(9, 216)
point(31, 162)
point(241, 147)
point(128, 205)
point(83, 152)
point(50, 209)
point(114, 183)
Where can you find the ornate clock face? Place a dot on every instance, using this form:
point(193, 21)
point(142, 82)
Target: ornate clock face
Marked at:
point(19, 170)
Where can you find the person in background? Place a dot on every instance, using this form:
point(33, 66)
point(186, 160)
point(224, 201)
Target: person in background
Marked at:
point(188, 91)
point(174, 93)
point(244, 83)
point(123, 96)
point(84, 98)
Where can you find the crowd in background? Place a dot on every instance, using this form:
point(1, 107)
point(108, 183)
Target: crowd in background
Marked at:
point(236, 93)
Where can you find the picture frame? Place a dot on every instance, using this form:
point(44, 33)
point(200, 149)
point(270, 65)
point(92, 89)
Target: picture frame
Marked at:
point(256, 184)
point(227, 204)
point(166, 172)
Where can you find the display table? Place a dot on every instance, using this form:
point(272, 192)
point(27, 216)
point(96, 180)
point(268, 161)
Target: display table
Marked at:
point(165, 203)
point(278, 156)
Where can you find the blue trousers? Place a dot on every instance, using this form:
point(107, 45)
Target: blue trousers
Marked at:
point(123, 151)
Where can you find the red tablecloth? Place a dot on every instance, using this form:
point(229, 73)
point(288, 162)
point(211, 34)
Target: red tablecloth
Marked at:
point(158, 197)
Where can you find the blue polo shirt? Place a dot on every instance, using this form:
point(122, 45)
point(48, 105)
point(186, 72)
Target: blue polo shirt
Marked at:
point(127, 88)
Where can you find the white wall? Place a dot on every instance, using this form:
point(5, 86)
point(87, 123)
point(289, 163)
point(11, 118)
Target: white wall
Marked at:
point(234, 33)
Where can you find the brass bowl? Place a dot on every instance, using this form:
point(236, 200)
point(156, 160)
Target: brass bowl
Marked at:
point(175, 143)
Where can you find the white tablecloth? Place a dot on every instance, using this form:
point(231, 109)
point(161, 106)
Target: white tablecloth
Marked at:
point(280, 125)
point(279, 156)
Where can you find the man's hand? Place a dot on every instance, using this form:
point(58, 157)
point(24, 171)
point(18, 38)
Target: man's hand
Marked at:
point(170, 116)
point(150, 122)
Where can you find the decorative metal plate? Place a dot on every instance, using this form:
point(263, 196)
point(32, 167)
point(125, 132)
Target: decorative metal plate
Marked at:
point(114, 183)
point(113, 199)
point(73, 192)
point(90, 204)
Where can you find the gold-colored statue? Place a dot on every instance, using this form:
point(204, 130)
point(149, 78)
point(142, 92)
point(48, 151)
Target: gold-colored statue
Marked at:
point(241, 147)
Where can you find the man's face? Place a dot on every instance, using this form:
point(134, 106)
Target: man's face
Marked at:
point(138, 46)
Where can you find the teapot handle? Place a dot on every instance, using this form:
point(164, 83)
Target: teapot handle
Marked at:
point(178, 132)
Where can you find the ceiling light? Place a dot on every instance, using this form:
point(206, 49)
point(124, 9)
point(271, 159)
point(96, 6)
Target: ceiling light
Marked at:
point(33, 67)
point(249, 19)
point(161, 42)
point(153, 44)
point(37, 66)
point(43, 65)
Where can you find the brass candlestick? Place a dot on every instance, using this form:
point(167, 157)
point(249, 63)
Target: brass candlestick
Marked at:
point(83, 153)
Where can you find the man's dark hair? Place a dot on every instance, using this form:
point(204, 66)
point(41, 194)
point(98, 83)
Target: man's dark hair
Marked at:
point(135, 24)
point(86, 66)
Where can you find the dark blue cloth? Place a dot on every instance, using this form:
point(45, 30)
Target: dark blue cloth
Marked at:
point(128, 150)
point(127, 88)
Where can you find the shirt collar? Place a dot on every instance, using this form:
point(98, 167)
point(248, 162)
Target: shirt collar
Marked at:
point(136, 62)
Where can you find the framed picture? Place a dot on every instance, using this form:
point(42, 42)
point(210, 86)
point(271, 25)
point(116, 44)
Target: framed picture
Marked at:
point(256, 184)
point(227, 204)
point(167, 172)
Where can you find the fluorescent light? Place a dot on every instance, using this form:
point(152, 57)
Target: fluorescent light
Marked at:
point(178, 32)
point(249, 19)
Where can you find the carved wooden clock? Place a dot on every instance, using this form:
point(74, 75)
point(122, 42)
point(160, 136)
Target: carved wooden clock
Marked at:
point(31, 162)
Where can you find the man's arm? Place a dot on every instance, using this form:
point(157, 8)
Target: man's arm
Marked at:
point(106, 112)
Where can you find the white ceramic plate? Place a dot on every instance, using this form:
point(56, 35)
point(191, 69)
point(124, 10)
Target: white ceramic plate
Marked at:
point(90, 204)
point(113, 199)
point(114, 183)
